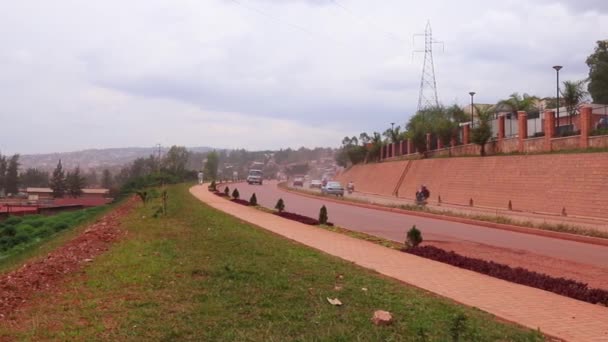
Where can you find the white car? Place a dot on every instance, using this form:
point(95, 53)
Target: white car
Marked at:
point(315, 183)
point(255, 177)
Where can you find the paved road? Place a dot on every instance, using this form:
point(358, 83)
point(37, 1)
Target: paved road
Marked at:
point(394, 226)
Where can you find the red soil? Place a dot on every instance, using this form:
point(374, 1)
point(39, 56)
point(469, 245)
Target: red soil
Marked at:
point(45, 274)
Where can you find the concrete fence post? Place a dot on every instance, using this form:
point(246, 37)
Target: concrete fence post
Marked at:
point(466, 133)
point(549, 129)
point(585, 126)
point(428, 141)
point(522, 130)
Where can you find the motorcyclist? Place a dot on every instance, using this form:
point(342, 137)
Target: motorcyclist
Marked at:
point(350, 187)
point(422, 194)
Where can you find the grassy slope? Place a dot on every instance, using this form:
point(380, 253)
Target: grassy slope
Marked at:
point(202, 275)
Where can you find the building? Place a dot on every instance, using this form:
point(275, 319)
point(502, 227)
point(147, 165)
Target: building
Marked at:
point(35, 194)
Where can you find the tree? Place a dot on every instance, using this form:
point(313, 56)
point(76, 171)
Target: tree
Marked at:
point(75, 182)
point(280, 206)
point(3, 166)
point(598, 73)
point(573, 93)
point(106, 179)
point(413, 238)
point(482, 132)
point(212, 165)
point(253, 201)
point(323, 215)
point(11, 179)
point(176, 159)
point(236, 194)
point(91, 178)
point(517, 102)
point(437, 121)
point(57, 182)
point(34, 178)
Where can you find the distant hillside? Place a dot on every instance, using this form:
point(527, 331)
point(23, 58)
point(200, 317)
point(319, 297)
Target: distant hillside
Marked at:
point(92, 159)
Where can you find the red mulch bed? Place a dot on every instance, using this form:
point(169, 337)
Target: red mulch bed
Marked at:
point(561, 286)
point(240, 201)
point(45, 274)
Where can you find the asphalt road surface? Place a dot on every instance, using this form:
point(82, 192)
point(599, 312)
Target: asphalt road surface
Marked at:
point(394, 226)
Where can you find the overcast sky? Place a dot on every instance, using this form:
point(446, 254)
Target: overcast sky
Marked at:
point(266, 73)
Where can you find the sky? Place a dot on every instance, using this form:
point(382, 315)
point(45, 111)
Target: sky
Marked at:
point(266, 74)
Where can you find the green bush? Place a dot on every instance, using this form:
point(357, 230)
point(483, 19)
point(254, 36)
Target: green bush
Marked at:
point(235, 193)
point(323, 215)
point(414, 237)
point(280, 206)
point(227, 191)
point(253, 201)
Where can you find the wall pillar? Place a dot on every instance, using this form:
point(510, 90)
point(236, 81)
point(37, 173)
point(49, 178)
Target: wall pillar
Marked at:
point(410, 147)
point(466, 133)
point(549, 129)
point(439, 144)
point(522, 130)
point(585, 124)
point(392, 145)
point(501, 127)
point(428, 141)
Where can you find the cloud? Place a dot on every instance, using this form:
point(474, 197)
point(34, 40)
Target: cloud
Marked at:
point(96, 74)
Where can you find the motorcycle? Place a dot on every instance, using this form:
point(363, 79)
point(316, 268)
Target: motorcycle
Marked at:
point(421, 198)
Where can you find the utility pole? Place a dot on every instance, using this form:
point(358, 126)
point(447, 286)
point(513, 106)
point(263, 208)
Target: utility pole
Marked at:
point(159, 160)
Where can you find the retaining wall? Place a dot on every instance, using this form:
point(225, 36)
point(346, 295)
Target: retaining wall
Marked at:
point(539, 183)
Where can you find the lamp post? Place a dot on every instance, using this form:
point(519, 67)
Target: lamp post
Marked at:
point(472, 93)
point(557, 69)
point(392, 126)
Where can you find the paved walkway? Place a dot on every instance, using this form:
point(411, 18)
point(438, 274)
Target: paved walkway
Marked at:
point(555, 315)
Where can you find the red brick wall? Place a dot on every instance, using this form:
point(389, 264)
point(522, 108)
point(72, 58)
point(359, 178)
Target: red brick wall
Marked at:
point(542, 183)
point(378, 178)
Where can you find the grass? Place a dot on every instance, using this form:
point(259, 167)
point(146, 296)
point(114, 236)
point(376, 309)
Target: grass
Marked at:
point(23, 237)
point(199, 274)
point(560, 227)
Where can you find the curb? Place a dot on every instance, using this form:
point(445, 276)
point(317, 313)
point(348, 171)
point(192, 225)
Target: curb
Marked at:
point(501, 226)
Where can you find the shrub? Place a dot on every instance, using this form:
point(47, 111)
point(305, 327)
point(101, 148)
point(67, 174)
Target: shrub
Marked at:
point(280, 206)
point(253, 201)
point(562, 286)
point(414, 237)
point(323, 215)
point(213, 186)
point(235, 193)
point(227, 191)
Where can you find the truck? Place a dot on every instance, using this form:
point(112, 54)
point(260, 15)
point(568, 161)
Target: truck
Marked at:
point(255, 177)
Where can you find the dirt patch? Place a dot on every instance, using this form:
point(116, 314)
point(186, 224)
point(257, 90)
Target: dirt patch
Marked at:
point(595, 277)
point(45, 274)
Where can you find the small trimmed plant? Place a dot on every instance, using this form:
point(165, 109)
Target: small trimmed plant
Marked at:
point(227, 191)
point(414, 237)
point(253, 201)
point(280, 206)
point(323, 215)
point(235, 193)
point(213, 186)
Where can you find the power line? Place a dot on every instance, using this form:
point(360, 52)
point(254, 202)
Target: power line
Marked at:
point(387, 34)
point(270, 16)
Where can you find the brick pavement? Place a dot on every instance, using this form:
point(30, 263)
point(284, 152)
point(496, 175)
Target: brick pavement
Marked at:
point(555, 315)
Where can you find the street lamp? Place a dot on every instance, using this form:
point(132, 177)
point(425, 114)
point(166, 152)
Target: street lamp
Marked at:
point(392, 126)
point(472, 94)
point(557, 69)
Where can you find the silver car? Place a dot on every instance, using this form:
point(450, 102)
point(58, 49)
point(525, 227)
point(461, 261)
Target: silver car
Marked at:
point(333, 188)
